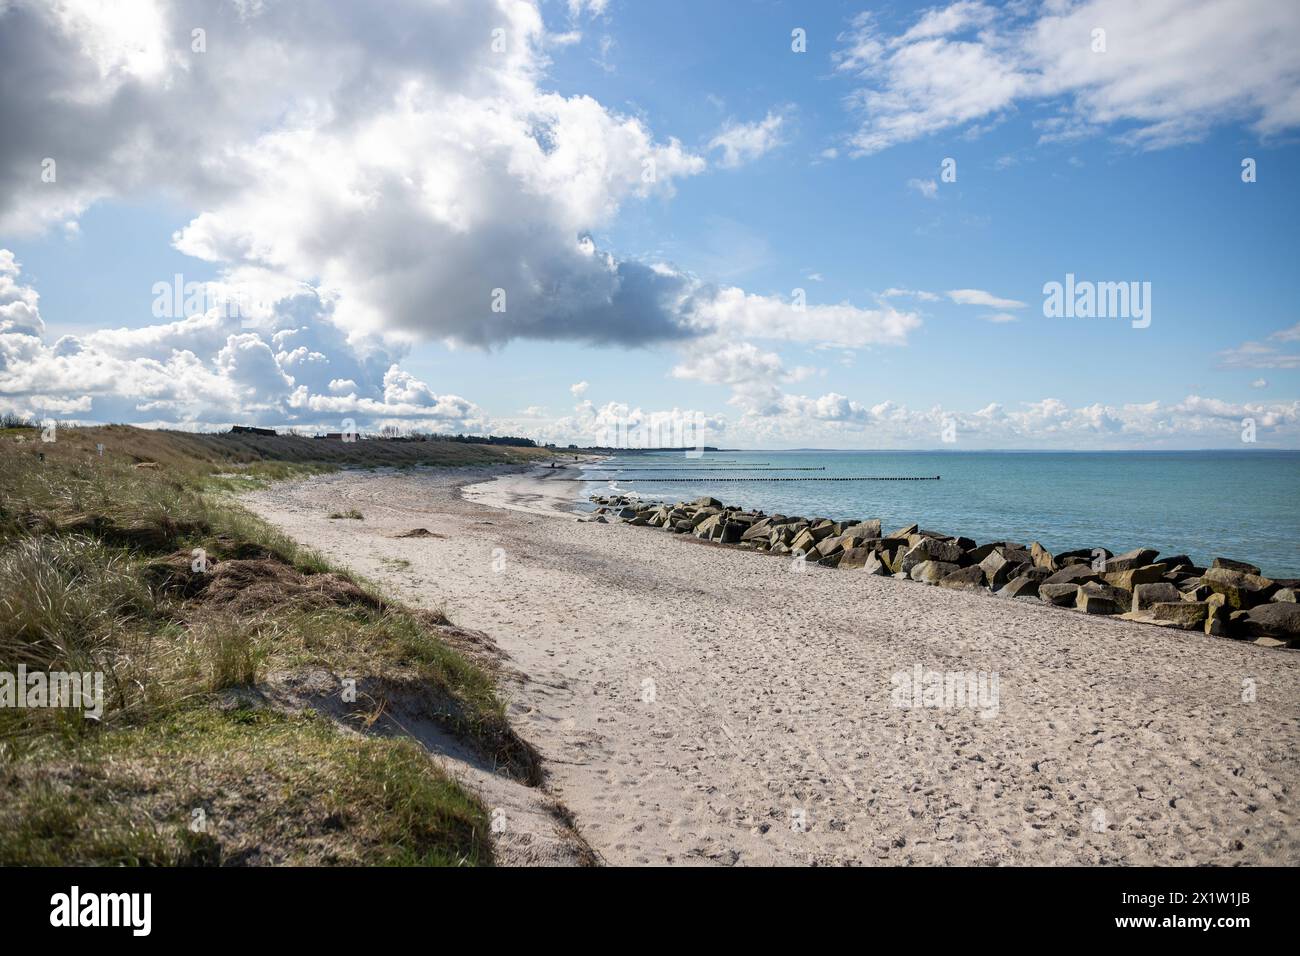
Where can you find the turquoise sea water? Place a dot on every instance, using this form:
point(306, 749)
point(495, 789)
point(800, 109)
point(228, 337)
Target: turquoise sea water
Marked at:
point(1243, 505)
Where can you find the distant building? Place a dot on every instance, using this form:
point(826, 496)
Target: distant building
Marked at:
point(250, 430)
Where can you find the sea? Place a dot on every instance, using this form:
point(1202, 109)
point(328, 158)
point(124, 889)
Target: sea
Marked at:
point(1206, 504)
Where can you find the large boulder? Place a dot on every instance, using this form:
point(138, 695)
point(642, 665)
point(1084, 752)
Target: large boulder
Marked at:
point(1280, 620)
point(1286, 595)
point(904, 532)
point(731, 531)
point(948, 549)
point(702, 515)
point(1025, 586)
point(1128, 580)
point(964, 579)
point(978, 554)
point(1145, 595)
point(1017, 555)
point(1062, 595)
point(865, 529)
point(931, 549)
point(835, 544)
point(709, 527)
point(998, 569)
point(872, 565)
point(1216, 620)
point(1074, 574)
point(1041, 556)
point(803, 541)
point(1096, 598)
point(823, 529)
point(1130, 560)
point(1189, 615)
point(1084, 555)
point(707, 502)
point(932, 572)
point(856, 557)
point(1240, 590)
point(1232, 565)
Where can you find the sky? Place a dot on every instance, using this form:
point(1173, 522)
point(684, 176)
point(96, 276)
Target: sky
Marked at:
point(748, 224)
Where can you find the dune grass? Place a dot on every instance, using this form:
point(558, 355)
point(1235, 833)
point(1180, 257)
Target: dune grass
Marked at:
point(154, 578)
point(209, 787)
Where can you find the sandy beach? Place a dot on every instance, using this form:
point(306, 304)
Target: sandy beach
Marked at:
point(696, 704)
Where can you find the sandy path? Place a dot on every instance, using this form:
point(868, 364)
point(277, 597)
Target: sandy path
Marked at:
point(771, 736)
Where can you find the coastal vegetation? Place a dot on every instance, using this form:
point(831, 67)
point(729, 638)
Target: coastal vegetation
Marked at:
point(242, 677)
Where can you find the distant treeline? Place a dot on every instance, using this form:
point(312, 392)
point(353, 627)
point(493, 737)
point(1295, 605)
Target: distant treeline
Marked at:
point(388, 433)
point(490, 440)
point(468, 439)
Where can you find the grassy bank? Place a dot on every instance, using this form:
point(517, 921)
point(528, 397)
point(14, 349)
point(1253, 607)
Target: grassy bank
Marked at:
point(136, 565)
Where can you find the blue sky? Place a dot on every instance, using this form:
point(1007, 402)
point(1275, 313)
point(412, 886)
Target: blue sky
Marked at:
point(373, 222)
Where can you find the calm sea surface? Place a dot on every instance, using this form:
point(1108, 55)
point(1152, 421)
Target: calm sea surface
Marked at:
point(1243, 505)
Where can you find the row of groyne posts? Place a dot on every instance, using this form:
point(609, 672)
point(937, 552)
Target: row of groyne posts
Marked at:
point(631, 473)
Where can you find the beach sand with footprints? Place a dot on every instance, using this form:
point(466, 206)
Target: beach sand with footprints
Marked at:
point(701, 704)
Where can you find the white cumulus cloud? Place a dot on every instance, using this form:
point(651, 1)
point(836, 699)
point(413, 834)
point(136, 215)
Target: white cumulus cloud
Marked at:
point(741, 143)
point(1163, 72)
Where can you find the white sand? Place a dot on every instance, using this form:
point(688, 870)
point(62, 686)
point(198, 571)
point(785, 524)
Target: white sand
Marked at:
point(1113, 742)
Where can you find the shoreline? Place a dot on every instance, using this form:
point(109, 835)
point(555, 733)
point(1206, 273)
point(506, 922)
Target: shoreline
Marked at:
point(1227, 599)
point(541, 490)
point(690, 703)
point(1120, 504)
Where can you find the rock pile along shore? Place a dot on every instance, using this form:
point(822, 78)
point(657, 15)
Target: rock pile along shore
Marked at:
point(1228, 599)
